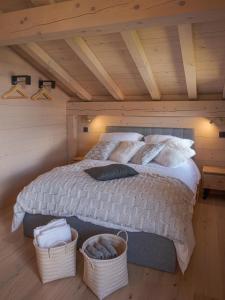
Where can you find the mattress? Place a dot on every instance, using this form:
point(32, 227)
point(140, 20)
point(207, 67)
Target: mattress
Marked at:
point(145, 249)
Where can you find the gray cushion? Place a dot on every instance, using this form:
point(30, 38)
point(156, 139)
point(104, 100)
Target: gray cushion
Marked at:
point(109, 172)
point(147, 153)
point(102, 150)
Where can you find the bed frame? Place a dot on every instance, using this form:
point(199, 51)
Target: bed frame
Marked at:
point(146, 249)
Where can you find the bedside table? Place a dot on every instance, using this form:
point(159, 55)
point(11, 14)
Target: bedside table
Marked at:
point(76, 159)
point(213, 178)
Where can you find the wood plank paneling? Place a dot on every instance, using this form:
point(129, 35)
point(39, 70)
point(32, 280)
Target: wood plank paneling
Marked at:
point(188, 55)
point(33, 136)
point(112, 52)
point(65, 56)
point(151, 108)
point(66, 19)
point(80, 47)
point(141, 61)
point(210, 56)
point(41, 57)
point(161, 45)
point(162, 48)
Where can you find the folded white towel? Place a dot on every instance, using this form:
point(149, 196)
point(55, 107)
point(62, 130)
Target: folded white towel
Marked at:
point(53, 237)
point(51, 224)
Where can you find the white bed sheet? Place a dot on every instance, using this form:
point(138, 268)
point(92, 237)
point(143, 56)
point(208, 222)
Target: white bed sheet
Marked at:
point(187, 172)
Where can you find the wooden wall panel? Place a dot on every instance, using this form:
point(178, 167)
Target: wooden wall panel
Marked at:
point(13, 5)
point(33, 135)
point(162, 48)
point(112, 52)
point(68, 60)
point(150, 108)
point(210, 56)
point(179, 114)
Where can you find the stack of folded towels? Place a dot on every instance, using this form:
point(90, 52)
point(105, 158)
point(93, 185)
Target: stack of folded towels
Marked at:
point(103, 249)
point(54, 234)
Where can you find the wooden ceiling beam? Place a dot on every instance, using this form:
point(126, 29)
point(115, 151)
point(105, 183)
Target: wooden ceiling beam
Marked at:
point(41, 57)
point(80, 47)
point(41, 2)
point(70, 18)
point(137, 52)
point(188, 56)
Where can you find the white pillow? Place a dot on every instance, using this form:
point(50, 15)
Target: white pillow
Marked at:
point(146, 153)
point(121, 136)
point(101, 150)
point(157, 139)
point(187, 152)
point(172, 156)
point(125, 151)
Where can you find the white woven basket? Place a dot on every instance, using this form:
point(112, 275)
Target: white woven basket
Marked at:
point(104, 277)
point(58, 262)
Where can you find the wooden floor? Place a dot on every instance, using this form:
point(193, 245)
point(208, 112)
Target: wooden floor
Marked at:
point(204, 279)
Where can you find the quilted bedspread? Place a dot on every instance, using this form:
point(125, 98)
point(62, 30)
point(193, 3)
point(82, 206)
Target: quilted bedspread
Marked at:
point(146, 202)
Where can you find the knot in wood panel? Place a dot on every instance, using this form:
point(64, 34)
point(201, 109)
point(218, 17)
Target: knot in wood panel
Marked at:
point(137, 6)
point(181, 3)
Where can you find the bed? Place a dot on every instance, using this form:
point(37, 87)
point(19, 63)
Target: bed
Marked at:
point(144, 248)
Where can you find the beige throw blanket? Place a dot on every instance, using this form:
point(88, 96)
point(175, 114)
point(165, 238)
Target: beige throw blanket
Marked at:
point(146, 202)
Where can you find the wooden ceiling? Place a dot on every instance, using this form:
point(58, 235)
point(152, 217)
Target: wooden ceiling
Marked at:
point(174, 62)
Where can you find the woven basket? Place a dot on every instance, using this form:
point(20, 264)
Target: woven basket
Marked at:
point(104, 277)
point(58, 262)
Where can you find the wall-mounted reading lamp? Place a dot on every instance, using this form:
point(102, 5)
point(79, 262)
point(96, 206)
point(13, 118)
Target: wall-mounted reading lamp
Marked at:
point(220, 122)
point(87, 121)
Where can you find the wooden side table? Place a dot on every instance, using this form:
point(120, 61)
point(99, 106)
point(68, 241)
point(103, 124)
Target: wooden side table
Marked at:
point(213, 178)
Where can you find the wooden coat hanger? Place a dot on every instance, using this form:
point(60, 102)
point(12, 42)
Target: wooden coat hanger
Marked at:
point(42, 94)
point(16, 81)
point(15, 89)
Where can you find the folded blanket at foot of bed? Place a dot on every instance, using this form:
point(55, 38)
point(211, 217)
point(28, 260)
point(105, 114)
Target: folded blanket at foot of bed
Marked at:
point(102, 249)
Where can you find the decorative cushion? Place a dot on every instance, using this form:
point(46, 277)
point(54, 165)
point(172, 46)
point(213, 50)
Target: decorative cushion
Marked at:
point(109, 172)
point(187, 152)
point(102, 150)
point(157, 138)
point(146, 153)
point(172, 156)
point(121, 136)
point(125, 150)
